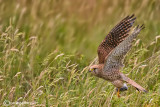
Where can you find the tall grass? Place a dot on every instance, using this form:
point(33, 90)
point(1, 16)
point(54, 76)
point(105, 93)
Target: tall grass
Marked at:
point(47, 46)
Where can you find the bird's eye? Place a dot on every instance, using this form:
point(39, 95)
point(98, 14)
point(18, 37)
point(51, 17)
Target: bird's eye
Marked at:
point(94, 69)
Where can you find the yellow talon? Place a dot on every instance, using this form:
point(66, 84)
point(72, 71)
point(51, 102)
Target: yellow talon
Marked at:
point(118, 92)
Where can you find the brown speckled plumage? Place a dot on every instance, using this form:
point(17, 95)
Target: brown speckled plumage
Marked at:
point(115, 36)
point(112, 51)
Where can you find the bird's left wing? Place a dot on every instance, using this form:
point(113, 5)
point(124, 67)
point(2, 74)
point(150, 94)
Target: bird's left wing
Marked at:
point(114, 61)
point(115, 37)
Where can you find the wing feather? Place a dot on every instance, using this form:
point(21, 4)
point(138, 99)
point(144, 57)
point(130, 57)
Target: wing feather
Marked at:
point(114, 61)
point(115, 36)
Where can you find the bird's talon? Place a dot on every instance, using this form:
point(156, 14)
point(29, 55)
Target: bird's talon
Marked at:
point(118, 93)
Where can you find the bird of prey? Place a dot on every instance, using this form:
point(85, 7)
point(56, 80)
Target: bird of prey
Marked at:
point(111, 53)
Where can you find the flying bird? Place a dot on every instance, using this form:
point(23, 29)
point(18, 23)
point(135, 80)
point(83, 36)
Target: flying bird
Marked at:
point(112, 51)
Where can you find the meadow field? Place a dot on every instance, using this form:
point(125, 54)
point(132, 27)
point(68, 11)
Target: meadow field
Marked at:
point(46, 47)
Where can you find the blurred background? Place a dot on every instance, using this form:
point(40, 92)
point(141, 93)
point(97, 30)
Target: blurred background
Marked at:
point(47, 45)
point(77, 26)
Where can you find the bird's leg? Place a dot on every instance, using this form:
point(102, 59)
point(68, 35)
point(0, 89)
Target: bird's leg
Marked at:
point(118, 92)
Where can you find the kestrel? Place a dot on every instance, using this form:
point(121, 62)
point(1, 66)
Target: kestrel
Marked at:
point(111, 53)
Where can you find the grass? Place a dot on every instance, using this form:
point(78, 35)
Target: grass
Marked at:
point(47, 46)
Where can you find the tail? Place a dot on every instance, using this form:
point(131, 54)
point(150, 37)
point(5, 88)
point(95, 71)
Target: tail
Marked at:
point(137, 86)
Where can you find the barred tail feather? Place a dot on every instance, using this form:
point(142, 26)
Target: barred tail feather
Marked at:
point(137, 86)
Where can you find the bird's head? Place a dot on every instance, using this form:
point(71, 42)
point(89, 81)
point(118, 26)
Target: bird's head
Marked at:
point(95, 69)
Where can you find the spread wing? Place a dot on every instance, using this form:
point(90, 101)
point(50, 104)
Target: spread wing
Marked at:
point(114, 61)
point(115, 36)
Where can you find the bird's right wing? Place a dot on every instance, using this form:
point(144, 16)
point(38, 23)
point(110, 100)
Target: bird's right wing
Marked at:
point(114, 61)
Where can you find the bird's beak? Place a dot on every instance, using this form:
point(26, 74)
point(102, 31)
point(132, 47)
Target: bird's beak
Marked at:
point(90, 70)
